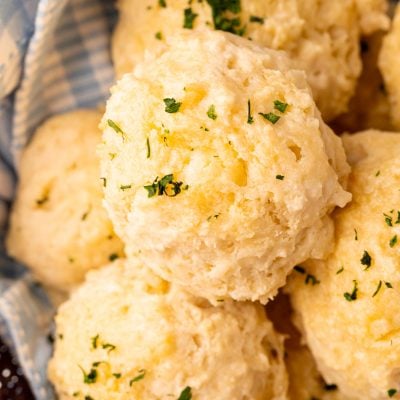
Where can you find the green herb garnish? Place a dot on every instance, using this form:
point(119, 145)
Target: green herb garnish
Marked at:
point(353, 295)
point(388, 285)
point(391, 392)
point(366, 259)
point(85, 214)
point(158, 36)
point(254, 18)
point(250, 119)
point(280, 177)
point(117, 375)
point(116, 128)
point(148, 148)
point(125, 187)
point(280, 106)
point(94, 341)
point(388, 219)
point(109, 347)
point(377, 289)
point(189, 17)
point(299, 269)
point(211, 112)
point(142, 373)
point(215, 216)
point(330, 387)
point(90, 377)
point(393, 241)
point(104, 182)
point(311, 279)
point(171, 105)
point(355, 234)
point(186, 394)
point(221, 13)
point(113, 256)
point(339, 271)
point(271, 117)
point(165, 186)
point(162, 3)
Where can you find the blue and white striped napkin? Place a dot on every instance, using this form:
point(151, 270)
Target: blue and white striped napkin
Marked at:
point(54, 57)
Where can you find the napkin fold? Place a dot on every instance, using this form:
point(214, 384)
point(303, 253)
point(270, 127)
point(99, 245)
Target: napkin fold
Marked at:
point(54, 57)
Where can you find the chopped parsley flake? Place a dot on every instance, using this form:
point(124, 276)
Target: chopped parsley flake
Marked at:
point(211, 112)
point(391, 392)
point(189, 17)
point(355, 234)
point(162, 3)
point(311, 279)
point(398, 218)
point(117, 375)
point(113, 256)
point(222, 20)
point(89, 398)
point(299, 269)
point(393, 241)
point(125, 187)
point(280, 106)
point(86, 213)
point(280, 177)
point(109, 347)
point(250, 119)
point(139, 377)
point(388, 220)
point(116, 128)
point(353, 295)
point(148, 148)
point(186, 394)
point(339, 271)
point(152, 189)
point(165, 186)
point(97, 363)
point(95, 341)
point(254, 18)
point(378, 173)
point(388, 285)
point(158, 35)
point(330, 387)
point(213, 216)
point(271, 117)
point(366, 259)
point(90, 377)
point(171, 105)
point(104, 182)
point(377, 289)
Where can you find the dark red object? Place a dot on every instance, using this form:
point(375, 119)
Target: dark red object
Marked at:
point(13, 385)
